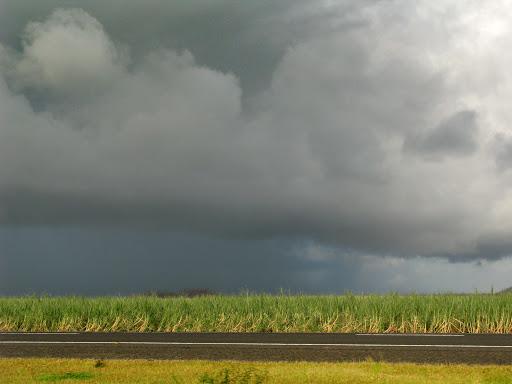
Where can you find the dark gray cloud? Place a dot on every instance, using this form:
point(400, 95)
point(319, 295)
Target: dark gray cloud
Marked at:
point(455, 136)
point(261, 120)
point(100, 261)
point(503, 150)
point(134, 261)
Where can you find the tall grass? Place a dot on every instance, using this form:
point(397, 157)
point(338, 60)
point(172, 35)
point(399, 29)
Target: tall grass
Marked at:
point(262, 313)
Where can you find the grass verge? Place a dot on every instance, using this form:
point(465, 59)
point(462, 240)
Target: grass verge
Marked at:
point(479, 313)
point(26, 371)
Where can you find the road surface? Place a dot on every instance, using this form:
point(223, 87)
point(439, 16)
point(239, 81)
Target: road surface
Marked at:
point(482, 349)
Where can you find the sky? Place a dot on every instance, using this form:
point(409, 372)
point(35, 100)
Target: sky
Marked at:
point(306, 146)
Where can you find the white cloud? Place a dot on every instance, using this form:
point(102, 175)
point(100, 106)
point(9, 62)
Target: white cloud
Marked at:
point(68, 55)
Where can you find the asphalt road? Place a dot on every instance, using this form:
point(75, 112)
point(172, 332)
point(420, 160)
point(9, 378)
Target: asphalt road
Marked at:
point(481, 349)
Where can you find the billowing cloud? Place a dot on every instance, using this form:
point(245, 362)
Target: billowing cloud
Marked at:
point(377, 135)
point(67, 55)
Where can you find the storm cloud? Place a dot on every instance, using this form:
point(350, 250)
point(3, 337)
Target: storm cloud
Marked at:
point(377, 127)
point(455, 136)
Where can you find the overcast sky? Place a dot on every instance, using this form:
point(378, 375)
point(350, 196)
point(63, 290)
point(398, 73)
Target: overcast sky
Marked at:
point(313, 146)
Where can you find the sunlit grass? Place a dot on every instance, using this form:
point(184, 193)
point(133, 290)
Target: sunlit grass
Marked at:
point(479, 313)
point(28, 371)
